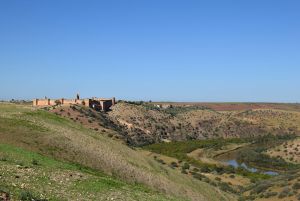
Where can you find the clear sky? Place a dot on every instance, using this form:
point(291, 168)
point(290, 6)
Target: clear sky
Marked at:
point(188, 50)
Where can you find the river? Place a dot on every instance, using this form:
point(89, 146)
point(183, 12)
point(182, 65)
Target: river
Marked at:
point(230, 158)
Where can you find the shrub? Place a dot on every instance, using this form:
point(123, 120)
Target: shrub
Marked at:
point(225, 187)
point(207, 180)
point(174, 164)
point(195, 169)
point(284, 193)
point(186, 166)
point(212, 183)
point(3, 158)
point(241, 198)
point(218, 179)
point(34, 162)
point(198, 176)
point(263, 160)
point(261, 188)
point(205, 169)
point(270, 194)
point(28, 196)
point(296, 186)
point(298, 197)
point(183, 171)
point(220, 170)
point(161, 161)
point(232, 176)
point(291, 193)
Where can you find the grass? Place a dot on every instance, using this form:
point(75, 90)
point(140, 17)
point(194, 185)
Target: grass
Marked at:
point(62, 139)
point(97, 185)
point(37, 176)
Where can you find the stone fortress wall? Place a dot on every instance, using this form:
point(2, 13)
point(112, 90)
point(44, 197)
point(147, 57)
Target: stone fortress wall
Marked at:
point(102, 104)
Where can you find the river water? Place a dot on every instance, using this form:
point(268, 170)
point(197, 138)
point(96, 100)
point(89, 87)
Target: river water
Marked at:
point(230, 158)
point(234, 163)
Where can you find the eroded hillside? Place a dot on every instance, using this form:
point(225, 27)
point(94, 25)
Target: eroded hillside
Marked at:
point(146, 124)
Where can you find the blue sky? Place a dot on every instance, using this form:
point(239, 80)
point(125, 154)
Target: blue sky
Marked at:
point(188, 50)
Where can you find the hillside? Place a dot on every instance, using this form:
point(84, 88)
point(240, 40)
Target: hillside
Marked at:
point(62, 139)
point(27, 175)
point(244, 167)
point(143, 123)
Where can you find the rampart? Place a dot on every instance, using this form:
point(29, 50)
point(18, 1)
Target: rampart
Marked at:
point(102, 104)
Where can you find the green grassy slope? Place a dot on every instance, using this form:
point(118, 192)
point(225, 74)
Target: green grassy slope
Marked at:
point(60, 138)
point(26, 174)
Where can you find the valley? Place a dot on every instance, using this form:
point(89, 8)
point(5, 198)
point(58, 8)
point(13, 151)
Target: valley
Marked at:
point(149, 100)
point(138, 151)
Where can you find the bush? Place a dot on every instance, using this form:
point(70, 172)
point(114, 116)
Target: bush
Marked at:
point(296, 186)
point(270, 194)
point(35, 162)
point(225, 187)
point(198, 176)
point(205, 169)
point(3, 158)
point(174, 164)
point(241, 198)
point(207, 180)
point(261, 188)
point(183, 171)
point(232, 176)
point(220, 170)
point(195, 169)
point(186, 166)
point(218, 179)
point(284, 193)
point(161, 161)
point(28, 196)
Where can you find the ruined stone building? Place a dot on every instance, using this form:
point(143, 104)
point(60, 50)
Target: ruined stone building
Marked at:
point(101, 104)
